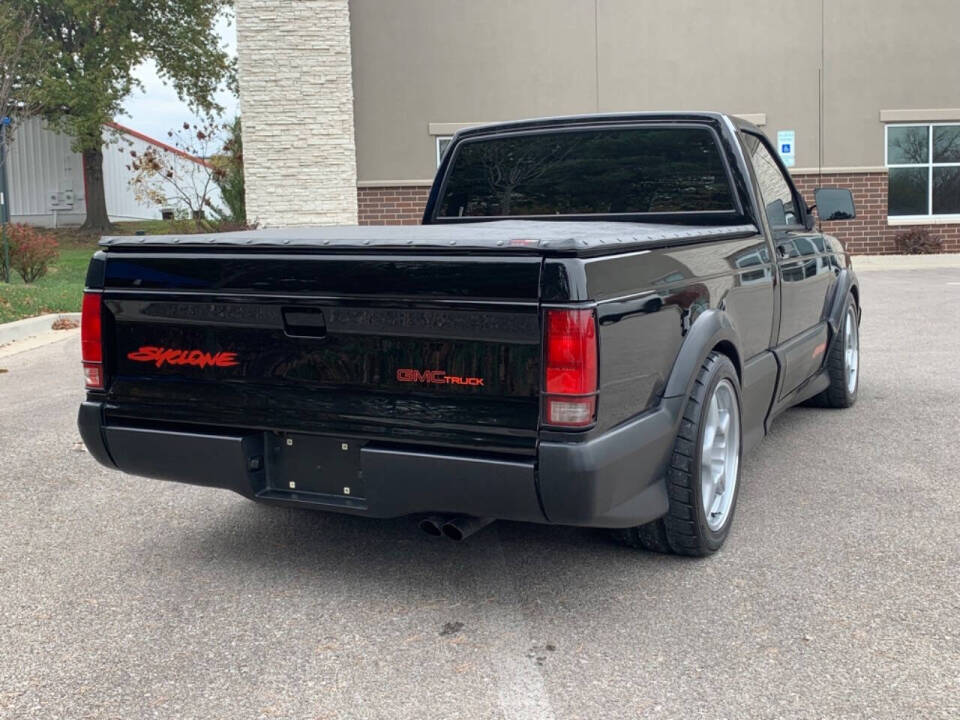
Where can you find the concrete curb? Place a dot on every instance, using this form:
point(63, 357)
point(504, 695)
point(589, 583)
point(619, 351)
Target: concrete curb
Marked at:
point(31, 327)
point(866, 263)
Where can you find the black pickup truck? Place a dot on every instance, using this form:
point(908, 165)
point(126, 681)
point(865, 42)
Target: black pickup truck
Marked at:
point(598, 316)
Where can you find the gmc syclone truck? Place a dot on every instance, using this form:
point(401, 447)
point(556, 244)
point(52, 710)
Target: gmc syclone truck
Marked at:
point(598, 316)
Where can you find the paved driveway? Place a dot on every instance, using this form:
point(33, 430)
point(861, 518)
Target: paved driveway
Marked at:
point(837, 594)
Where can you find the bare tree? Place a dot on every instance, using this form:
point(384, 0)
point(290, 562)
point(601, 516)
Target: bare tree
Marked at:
point(946, 144)
point(912, 145)
point(510, 165)
point(182, 174)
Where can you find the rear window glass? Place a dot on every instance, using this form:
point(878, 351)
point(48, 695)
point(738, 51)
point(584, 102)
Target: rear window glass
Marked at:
point(634, 170)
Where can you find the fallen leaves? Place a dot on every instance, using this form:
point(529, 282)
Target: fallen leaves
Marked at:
point(63, 323)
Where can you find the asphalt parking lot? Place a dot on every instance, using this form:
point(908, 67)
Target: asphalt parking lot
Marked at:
point(837, 594)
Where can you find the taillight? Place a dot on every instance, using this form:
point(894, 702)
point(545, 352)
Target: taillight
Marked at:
point(570, 375)
point(91, 340)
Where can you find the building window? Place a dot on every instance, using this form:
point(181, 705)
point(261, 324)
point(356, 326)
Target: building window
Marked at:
point(442, 144)
point(923, 166)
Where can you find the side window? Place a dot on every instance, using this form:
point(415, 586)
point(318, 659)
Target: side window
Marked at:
point(777, 197)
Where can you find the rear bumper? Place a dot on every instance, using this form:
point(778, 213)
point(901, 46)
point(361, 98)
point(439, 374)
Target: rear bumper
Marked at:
point(615, 480)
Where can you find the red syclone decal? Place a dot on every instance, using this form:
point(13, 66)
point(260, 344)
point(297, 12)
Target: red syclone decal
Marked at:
point(436, 377)
point(172, 356)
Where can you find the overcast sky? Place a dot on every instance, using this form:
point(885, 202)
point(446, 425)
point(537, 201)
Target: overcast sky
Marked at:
point(158, 109)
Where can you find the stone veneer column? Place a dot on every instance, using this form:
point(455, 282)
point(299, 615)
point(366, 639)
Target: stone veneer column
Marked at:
point(296, 99)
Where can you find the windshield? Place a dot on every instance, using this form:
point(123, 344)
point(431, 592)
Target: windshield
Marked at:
point(649, 170)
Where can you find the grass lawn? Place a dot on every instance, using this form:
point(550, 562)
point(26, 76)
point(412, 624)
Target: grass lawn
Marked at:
point(61, 289)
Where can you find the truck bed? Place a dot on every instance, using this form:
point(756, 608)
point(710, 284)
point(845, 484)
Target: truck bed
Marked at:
point(567, 238)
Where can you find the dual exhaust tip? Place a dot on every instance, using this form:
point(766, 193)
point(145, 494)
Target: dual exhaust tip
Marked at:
point(456, 527)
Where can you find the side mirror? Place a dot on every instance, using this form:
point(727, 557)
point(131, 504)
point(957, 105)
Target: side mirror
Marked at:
point(777, 213)
point(834, 204)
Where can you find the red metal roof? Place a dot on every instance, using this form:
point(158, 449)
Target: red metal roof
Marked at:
point(153, 141)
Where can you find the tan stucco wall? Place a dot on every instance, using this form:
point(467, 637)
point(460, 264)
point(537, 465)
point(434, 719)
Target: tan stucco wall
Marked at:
point(422, 61)
point(296, 97)
point(417, 62)
point(726, 55)
point(885, 55)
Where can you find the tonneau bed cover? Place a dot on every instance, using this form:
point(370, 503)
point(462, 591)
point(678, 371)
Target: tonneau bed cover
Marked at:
point(578, 238)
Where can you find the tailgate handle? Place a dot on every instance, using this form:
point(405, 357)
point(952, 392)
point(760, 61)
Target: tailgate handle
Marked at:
point(304, 322)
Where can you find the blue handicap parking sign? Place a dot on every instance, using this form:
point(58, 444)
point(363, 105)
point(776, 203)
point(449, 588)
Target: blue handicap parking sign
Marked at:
point(786, 141)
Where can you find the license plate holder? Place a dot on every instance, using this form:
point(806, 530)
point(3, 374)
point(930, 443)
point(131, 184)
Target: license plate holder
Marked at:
point(314, 464)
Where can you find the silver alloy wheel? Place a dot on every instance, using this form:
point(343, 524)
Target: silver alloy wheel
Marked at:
point(720, 454)
point(851, 349)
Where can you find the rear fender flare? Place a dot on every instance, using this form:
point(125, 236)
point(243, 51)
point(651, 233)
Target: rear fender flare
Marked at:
point(846, 281)
point(710, 329)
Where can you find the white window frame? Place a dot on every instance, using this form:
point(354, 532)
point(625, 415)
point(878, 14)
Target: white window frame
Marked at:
point(928, 217)
point(441, 138)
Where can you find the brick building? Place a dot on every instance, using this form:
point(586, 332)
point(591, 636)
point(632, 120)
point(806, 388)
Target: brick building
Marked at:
point(348, 104)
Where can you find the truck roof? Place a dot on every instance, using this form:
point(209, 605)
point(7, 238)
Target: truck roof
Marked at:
point(606, 119)
point(548, 237)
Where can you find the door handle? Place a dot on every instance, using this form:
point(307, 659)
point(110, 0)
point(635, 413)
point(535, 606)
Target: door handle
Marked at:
point(304, 322)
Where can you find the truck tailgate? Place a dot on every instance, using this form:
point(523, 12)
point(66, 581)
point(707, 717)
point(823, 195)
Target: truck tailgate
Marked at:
point(433, 349)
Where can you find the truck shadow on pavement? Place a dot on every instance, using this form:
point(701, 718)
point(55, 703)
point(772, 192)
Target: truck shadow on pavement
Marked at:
point(298, 551)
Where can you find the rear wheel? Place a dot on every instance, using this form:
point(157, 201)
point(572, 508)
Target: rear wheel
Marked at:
point(843, 363)
point(704, 472)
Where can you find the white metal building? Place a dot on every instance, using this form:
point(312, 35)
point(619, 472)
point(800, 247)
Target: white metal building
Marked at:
point(45, 176)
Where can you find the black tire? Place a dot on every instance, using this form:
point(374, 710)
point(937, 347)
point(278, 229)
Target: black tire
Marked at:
point(684, 529)
point(839, 394)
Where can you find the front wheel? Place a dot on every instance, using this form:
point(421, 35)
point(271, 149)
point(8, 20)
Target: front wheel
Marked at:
point(704, 472)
